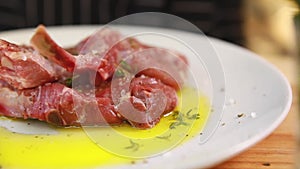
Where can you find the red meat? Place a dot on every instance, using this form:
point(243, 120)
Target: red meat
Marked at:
point(22, 67)
point(63, 106)
point(135, 83)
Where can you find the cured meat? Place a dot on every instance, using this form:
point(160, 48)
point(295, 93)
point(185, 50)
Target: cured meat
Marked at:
point(107, 80)
point(93, 58)
point(56, 104)
point(101, 54)
point(161, 64)
point(63, 106)
point(22, 67)
point(142, 101)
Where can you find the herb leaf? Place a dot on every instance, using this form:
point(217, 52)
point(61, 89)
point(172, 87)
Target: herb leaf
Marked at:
point(179, 121)
point(167, 137)
point(69, 80)
point(125, 65)
point(120, 73)
point(133, 145)
point(182, 117)
point(192, 116)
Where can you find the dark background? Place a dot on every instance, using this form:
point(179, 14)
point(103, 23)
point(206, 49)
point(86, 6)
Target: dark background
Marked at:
point(217, 18)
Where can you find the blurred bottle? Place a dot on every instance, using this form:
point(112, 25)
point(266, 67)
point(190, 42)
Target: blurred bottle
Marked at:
point(269, 27)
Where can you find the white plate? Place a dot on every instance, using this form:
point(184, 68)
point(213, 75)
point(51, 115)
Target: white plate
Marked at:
point(254, 88)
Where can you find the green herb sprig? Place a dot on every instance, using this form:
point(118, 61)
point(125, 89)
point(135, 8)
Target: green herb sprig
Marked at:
point(192, 116)
point(69, 80)
point(179, 121)
point(133, 146)
point(167, 137)
point(181, 118)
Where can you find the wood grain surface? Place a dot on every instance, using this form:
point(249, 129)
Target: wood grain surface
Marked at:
point(279, 149)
